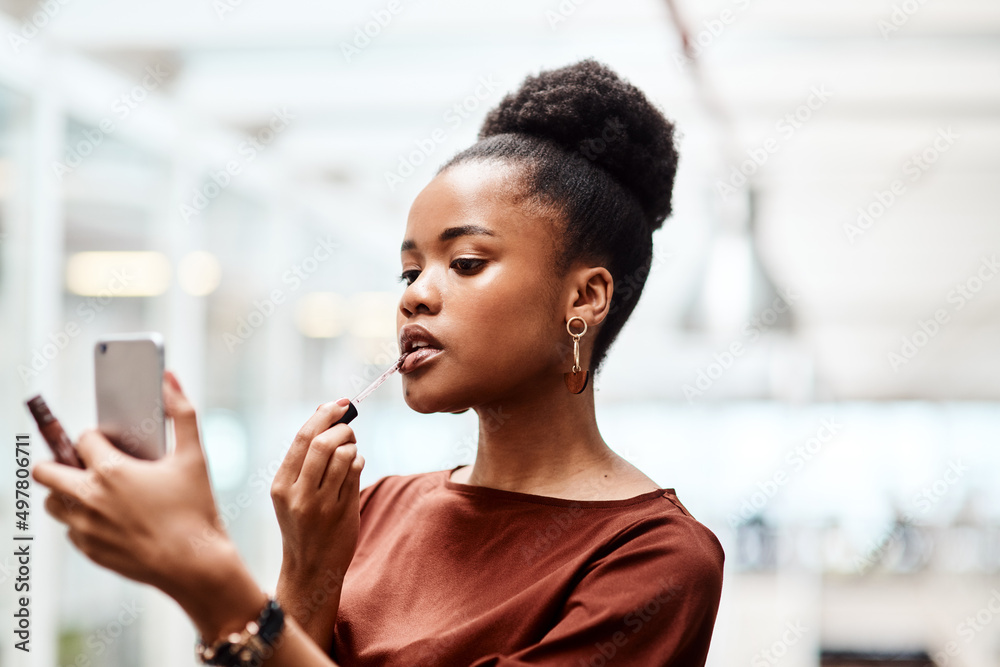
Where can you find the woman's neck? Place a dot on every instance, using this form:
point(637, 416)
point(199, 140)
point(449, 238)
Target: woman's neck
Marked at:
point(546, 444)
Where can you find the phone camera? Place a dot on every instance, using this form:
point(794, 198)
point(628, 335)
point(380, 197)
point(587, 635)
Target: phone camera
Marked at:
point(104, 348)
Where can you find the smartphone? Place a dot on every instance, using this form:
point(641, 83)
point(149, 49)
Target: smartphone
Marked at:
point(128, 377)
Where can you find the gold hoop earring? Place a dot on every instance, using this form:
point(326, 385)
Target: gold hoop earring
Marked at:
point(576, 381)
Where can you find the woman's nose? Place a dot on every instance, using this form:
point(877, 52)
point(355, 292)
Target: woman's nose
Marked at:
point(421, 295)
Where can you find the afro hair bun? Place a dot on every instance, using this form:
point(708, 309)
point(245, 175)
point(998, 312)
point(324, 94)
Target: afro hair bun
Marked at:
point(588, 109)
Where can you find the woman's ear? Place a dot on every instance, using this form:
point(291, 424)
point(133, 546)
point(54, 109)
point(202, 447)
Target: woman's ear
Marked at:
point(592, 297)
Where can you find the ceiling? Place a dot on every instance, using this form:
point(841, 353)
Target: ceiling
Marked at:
point(879, 96)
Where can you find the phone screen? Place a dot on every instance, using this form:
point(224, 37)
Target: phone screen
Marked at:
point(128, 375)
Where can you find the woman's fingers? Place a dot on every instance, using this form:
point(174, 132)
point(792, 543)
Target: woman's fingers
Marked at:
point(79, 517)
point(60, 506)
point(102, 551)
point(179, 408)
point(59, 477)
point(97, 452)
point(338, 470)
point(352, 480)
point(322, 454)
point(320, 421)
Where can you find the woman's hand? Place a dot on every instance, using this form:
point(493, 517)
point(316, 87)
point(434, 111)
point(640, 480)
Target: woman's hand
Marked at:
point(315, 494)
point(149, 520)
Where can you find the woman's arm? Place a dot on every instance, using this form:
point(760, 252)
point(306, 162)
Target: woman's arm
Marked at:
point(156, 522)
point(228, 597)
point(315, 494)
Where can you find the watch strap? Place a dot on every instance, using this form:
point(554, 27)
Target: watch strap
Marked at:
point(250, 647)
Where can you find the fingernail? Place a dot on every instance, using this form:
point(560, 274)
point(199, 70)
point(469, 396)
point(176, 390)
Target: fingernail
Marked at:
point(344, 401)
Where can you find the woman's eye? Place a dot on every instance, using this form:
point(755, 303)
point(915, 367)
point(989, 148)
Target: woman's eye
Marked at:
point(462, 264)
point(469, 263)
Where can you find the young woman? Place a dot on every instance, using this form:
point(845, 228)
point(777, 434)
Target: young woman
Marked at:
point(522, 259)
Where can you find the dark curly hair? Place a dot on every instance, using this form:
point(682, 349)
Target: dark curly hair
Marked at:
point(594, 150)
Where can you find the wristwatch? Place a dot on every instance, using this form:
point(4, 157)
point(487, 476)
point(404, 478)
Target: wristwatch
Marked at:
point(250, 647)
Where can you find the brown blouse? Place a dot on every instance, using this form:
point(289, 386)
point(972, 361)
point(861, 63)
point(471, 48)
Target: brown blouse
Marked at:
point(467, 576)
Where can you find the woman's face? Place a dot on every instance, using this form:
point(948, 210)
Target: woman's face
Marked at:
point(480, 277)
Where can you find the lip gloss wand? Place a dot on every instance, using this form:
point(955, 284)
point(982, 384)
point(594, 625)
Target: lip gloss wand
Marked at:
point(352, 410)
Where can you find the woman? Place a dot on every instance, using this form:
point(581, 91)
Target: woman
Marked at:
point(523, 258)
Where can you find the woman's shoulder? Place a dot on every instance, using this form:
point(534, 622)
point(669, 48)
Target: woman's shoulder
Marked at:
point(666, 532)
point(391, 489)
point(699, 533)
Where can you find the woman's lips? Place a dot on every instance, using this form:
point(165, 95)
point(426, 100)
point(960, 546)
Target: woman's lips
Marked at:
point(418, 357)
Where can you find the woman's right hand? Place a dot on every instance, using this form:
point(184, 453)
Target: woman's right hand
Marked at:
point(315, 494)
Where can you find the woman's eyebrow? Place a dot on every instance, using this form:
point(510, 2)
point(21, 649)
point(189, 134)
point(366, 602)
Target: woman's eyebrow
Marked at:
point(452, 233)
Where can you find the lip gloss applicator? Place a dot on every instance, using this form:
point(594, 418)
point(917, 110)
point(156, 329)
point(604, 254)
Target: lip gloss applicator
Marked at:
point(352, 410)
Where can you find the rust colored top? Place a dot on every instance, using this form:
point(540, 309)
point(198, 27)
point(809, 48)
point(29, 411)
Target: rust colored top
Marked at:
point(457, 575)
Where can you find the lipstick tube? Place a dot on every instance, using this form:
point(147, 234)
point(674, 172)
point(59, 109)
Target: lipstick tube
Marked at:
point(54, 434)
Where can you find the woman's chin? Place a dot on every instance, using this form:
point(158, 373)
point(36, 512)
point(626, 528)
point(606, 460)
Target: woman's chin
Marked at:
point(426, 401)
point(421, 401)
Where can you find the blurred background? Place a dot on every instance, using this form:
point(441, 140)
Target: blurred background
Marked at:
point(813, 365)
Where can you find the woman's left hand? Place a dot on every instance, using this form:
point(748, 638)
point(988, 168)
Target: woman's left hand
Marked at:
point(316, 499)
point(151, 521)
